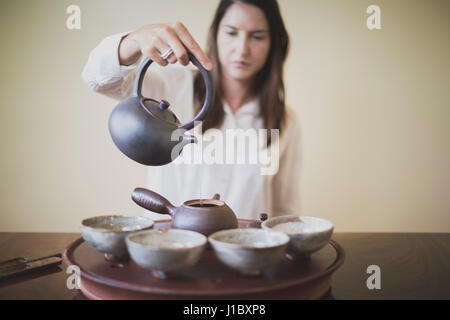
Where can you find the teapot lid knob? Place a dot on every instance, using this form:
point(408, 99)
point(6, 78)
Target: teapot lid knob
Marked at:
point(163, 104)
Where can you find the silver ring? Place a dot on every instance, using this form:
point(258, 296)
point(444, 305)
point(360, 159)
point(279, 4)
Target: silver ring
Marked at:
point(167, 54)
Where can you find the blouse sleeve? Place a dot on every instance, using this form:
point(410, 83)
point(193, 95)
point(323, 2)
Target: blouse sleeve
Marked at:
point(286, 183)
point(104, 74)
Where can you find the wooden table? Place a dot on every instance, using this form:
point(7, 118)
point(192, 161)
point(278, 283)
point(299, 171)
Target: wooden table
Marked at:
point(413, 266)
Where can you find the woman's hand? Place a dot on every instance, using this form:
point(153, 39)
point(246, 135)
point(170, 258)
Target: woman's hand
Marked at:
point(155, 39)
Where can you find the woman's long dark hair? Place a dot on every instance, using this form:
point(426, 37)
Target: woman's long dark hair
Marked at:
point(268, 84)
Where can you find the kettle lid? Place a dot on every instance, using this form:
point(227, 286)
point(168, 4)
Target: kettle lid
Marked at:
point(160, 110)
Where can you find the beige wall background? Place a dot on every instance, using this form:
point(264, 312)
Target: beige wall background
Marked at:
point(374, 109)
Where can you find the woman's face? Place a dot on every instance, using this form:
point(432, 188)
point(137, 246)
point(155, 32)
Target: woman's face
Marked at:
point(243, 41)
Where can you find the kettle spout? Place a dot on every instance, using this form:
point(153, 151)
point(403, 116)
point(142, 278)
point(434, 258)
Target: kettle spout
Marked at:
point(189, 139)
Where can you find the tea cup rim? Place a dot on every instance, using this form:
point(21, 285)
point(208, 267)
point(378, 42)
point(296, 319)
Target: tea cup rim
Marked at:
point(212, 239)
point(150, 224)
point(130, 241)
point(287, 218)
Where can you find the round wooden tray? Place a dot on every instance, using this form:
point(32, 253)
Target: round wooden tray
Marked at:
point(209, 279)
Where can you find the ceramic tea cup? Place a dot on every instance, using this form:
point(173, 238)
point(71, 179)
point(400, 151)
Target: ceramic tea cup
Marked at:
point(249, 250)
point(308, 234)
point(107, 233)
point(165, 251)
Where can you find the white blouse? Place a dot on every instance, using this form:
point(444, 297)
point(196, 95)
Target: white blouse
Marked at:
point(242, 186)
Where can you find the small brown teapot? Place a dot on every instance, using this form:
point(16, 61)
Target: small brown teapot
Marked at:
point(205, 216)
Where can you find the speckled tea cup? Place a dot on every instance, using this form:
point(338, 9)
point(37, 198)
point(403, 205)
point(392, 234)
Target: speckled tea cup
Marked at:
point(249, 250)
point(165, 251)
point(308, 234)
point(107, 233)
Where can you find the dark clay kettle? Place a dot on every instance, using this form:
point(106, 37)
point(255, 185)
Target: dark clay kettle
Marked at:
point(142, 127)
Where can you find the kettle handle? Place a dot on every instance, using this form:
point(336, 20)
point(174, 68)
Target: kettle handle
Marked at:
point(152, 201)
point(137, 90)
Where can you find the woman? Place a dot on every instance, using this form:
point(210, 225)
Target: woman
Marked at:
point(247, 47)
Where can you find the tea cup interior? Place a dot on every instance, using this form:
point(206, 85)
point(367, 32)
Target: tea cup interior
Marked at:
point(117, 223)
point(298, 224)
point(168, 239)
point(250, 238)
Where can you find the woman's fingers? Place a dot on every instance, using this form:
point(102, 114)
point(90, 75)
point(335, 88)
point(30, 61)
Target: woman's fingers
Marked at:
point(192, 45)
point(154, 54)
point(156, 40)
point(165, 52)
point(149, 45)
point(155, 50)
point(178, 49)
point(172, 58)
